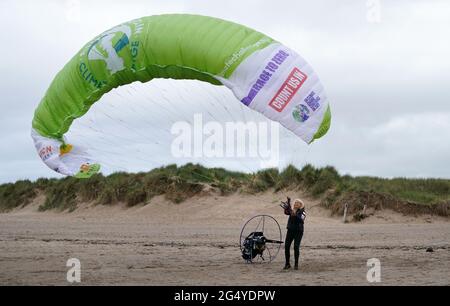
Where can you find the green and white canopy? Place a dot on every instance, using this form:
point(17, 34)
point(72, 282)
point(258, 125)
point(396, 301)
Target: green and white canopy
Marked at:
point(263, 74)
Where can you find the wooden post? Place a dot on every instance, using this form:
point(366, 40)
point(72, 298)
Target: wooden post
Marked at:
point(364, 209)
point(344, 219)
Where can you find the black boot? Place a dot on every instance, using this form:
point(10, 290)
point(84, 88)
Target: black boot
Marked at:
point(287, 266)
point(296, 266)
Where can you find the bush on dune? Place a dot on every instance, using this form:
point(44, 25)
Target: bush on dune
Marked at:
point(61, 195)
point(177, 184)
point(17, 194)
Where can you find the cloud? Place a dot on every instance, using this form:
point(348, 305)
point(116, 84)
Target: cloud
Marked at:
point(387, 82)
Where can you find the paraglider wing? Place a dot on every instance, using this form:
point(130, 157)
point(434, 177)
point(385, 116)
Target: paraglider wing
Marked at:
point(262, 73)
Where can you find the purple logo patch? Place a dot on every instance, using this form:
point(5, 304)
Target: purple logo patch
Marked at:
point(265, 76)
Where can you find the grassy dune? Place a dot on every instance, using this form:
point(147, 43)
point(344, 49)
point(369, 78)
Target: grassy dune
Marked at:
point(176, 184)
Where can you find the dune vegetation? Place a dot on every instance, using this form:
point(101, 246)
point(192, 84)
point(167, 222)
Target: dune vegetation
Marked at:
point(176, 184)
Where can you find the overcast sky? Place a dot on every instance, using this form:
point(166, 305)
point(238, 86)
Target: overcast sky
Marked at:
point(386, 72)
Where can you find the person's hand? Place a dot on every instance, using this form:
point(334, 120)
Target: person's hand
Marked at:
point(285, 205)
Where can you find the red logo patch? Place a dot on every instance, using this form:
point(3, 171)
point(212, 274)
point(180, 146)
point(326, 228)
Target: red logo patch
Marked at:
point(287, 91)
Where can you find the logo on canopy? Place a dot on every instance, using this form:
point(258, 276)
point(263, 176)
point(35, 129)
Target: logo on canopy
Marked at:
point(105, 50)
point(288, 89)
point(301, 113)
point(117, 48)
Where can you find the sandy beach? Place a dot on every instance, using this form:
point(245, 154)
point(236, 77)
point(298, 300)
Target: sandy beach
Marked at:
point(196, 243)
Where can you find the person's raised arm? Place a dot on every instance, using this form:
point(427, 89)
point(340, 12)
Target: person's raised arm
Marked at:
point(287, 207)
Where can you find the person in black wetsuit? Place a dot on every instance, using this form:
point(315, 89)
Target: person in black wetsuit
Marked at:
point(294, 233)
